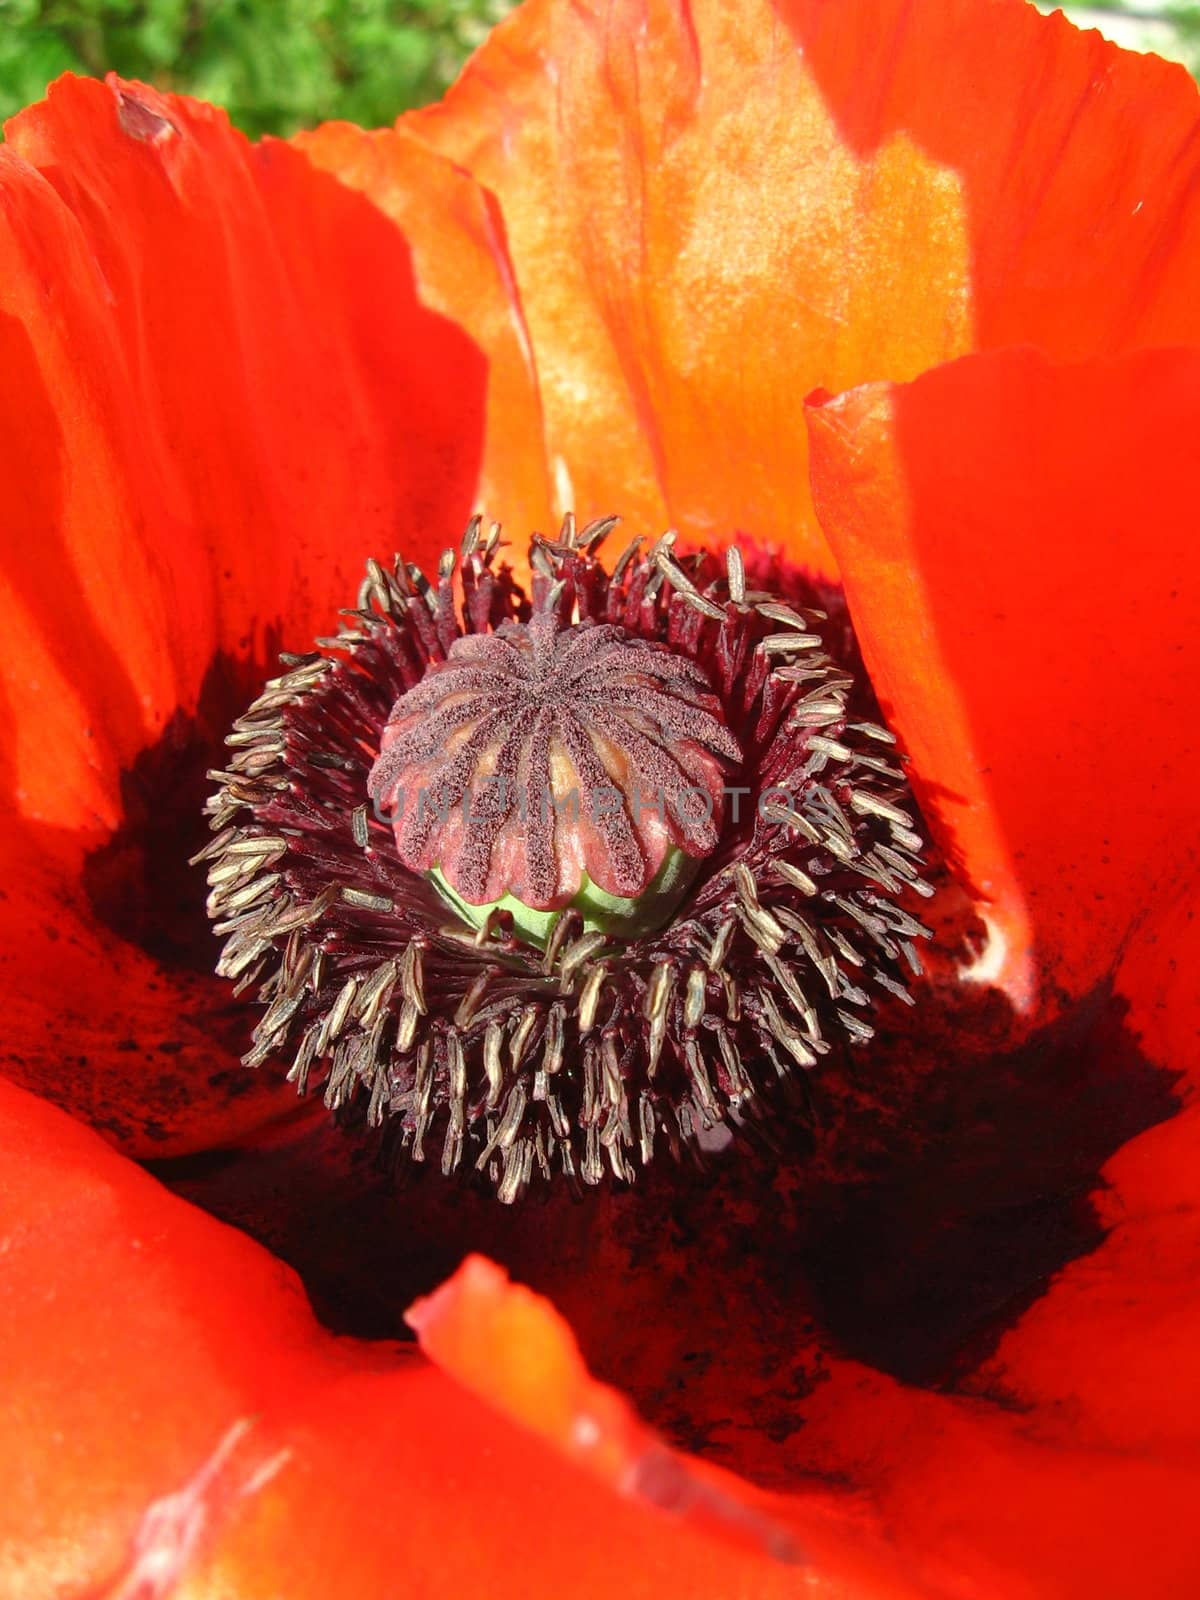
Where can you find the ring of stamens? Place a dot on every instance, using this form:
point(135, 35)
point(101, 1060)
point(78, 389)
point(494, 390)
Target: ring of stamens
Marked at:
point(588, 1056)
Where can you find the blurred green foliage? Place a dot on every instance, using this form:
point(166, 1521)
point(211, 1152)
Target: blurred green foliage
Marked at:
point(279, 65)
point(1185, 19)
point(276, 65)
point(1169, 28)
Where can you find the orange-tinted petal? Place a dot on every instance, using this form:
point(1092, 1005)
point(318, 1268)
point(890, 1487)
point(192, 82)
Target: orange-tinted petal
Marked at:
point(1078, 160)
point(696, 246)
point(220, 393)
point(175, 1410)
point(712, 209)
point(230, 395)
point(511, 1347)
point(1019, 556)
point(508, 1344)
point(460, 263)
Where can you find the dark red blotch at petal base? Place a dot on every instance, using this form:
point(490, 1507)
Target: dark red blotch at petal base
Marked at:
point(1015, 152)
point(208, 1432)
point(206, 1436)
point(1019, 547)
point(219, 391)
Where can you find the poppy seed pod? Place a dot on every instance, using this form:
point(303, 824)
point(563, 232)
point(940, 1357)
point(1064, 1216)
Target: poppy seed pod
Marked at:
point(544, 753)
point(896, 298)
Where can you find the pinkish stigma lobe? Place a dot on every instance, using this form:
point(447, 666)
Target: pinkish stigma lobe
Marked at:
point(542, 752)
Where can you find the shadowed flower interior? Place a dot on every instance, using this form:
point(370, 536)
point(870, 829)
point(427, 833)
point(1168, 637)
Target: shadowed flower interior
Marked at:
point(519, 744)
point(945, 1328)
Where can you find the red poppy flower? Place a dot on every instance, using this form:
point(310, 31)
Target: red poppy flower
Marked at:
point(904, 287)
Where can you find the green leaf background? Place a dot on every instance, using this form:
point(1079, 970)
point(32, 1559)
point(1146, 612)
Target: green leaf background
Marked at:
point(279, 65)
point(276, 65)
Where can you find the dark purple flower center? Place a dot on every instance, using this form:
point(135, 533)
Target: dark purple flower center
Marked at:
point(542, 752)
point(578, 741)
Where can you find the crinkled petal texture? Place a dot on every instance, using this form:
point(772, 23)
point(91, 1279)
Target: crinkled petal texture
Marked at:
point(185, 1427)
point(606, 273)
point(234, 372)
point(713, 209)
point(221, 390)
point(1018, 540)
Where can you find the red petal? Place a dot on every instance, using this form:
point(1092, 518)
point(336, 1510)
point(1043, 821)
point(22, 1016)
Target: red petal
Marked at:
point(1078, 161)
point(1160, 978)
point(1020, 559)
point(511, 1348)
point(179, 1412)
point(695, 248)
point(1114, 1348)
point(225, 348)
point(204, 1428)
point(460, 262)
point(219, 394)
point(143, 1045)
point(712, 209)
point(1111, 1356)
